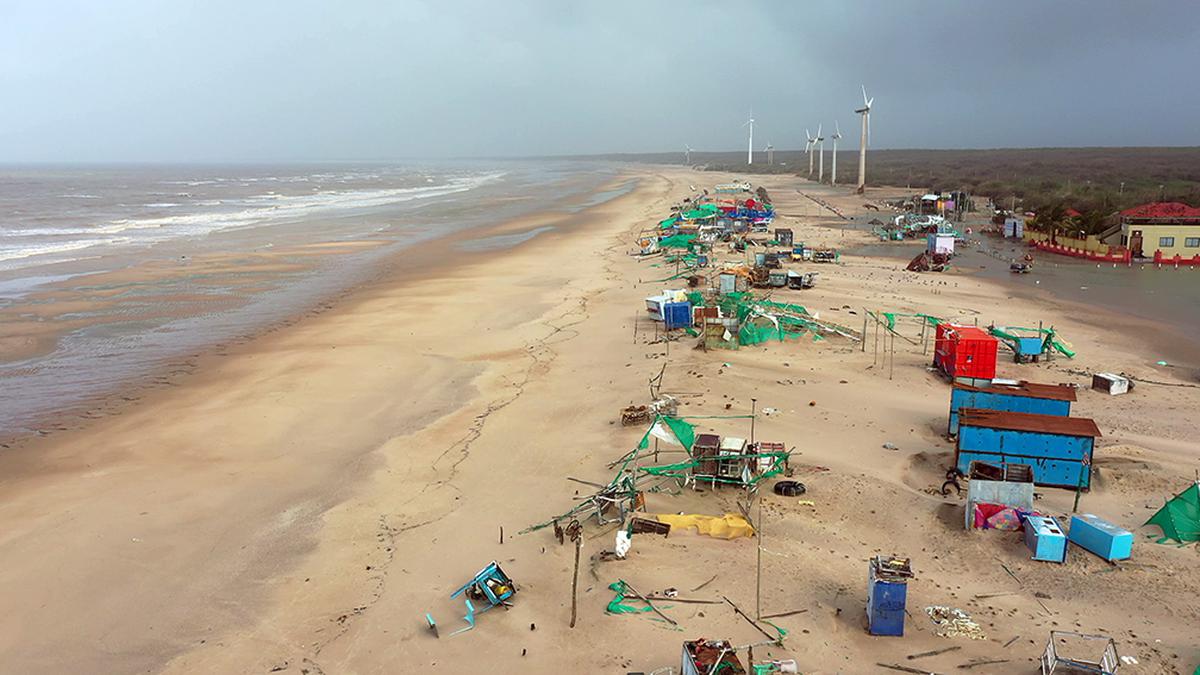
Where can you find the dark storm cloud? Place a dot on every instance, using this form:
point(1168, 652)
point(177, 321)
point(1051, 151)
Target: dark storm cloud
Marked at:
point(227, 80)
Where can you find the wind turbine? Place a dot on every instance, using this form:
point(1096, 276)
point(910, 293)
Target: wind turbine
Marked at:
point(687, 154)
point(821, 150)
point(865, 111)
point(808, 150)
point(750, 147)
point(833, 174)
point(770, 150)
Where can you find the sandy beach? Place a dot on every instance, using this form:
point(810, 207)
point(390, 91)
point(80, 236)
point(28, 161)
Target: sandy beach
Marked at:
point(297, 502)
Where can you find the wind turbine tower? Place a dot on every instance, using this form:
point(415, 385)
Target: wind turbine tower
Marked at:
point(821, 150)
point(770, 154)
point(837, 133)
point(865, 111)
point(687, 154)
point(750, 147)
point(808, 150)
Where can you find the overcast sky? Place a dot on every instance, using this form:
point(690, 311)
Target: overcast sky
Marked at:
point(246, 80)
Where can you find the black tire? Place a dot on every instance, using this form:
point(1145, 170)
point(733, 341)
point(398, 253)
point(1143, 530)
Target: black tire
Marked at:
point(790, 488)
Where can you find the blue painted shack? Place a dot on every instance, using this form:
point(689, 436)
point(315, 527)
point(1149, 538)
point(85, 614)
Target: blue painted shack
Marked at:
point(1059, 449)
point(1026, 397)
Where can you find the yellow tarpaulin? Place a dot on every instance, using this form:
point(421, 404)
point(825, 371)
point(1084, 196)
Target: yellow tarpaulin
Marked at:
point(729, 526)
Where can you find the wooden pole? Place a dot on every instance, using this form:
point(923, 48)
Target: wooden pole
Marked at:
point(864, 333)
point(876, 341)
point(758, 571)
point(578, 537)
point(892, 370)
point(1083, 467)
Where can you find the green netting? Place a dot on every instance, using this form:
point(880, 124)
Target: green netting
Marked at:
point(677, 241)
point(1013, 333)
point(1180, 517)
point(668, 222)
point(617, 604)
point(927, 318)
point(702, 212)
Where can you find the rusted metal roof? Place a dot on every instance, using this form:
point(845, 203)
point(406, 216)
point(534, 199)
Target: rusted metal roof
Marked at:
point(1057, 392)
point(1015, 421)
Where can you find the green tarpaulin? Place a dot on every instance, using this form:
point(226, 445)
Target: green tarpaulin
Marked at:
point(677, 241)
point(702, 212)
point(669, 222)
point(670, 430)
point(1180, 517)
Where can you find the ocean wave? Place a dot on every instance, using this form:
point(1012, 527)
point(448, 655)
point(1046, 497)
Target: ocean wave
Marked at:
point(272, 206)
point(15, 244)
point(15, 253)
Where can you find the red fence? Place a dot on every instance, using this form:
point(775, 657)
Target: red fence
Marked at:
point(1119, 255)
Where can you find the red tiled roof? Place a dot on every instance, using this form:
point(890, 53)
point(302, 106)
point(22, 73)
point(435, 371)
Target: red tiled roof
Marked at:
point(1162, 210)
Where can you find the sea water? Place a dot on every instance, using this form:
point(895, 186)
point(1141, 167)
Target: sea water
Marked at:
point(65, 231)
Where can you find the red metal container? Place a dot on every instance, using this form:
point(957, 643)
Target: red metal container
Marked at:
point(965, 352)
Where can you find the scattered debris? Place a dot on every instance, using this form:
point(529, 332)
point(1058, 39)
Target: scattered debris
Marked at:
point(1114, 385)
point(953, 622)
point(1078, 652)
point(701, 657)
point(905, 669)
point(490, 585)
point(933, 653)
point(728, 526)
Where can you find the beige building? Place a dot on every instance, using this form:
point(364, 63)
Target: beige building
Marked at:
point(1161, 230)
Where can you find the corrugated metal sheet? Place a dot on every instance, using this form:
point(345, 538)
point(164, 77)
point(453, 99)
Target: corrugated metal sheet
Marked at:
point(1026, 397)
point(1015, 421)
point(1058, 392)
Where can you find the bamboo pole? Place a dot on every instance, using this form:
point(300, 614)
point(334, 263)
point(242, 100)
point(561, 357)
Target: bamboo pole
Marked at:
point(575, 577)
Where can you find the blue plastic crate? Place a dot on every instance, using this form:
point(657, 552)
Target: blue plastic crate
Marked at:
point(1101, 537)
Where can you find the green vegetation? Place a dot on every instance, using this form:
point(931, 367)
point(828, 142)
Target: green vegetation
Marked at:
point(1034, 179)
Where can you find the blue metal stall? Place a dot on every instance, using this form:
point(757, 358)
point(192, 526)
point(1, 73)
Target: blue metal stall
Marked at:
point(1026, 397)
point(1059, 449)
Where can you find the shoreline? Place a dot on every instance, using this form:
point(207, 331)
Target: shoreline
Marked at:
point(301, 500)
point(436, 388)
point(448, 249)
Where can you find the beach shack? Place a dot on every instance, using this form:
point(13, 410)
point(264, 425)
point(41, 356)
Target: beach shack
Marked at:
point(938, 242)
point(966, 354)
point(1026, 397)
point(1059, 449)
point(1014, 227)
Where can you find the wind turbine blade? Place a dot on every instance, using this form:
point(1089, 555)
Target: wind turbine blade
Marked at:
point(818, 131)
point(864, 88)
point(837, 128)
point(870, 102)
